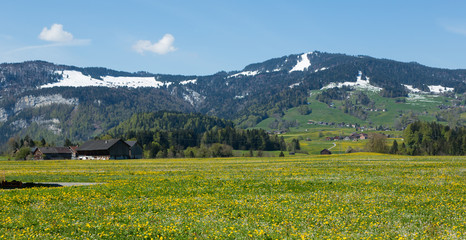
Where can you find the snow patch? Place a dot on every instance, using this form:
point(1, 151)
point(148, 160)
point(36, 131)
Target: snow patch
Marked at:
point(192, 81)
point(413, 98)
point(77, 79)
point(439, 89)
point(435, 89)
point(303, 64)
point(294, 85)
point(322, 69)
point(359, 84)
point(245, 73)
point(241, 96)
point(413, 89)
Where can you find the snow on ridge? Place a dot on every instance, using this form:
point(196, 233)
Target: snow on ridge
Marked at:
point(245, 73)
point(133, 82)
point(439, 89)
point(302, 64)
point(192, 81)
point(359, 84)
point(71, 78)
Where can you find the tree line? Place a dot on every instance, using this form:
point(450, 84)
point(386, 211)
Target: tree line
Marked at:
point(432, 138)
point(21, 148)
point(216, 142)
point(423, 138)
point(175, 134)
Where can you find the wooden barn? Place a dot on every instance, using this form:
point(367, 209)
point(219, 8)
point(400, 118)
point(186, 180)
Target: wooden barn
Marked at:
point(135, 150)
point(104, 149)
point(325, 152)
point(52, 153)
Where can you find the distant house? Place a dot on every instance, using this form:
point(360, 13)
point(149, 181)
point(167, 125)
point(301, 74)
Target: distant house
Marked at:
point(363, 136)
point(325, 152)
point(52, 153)
point(135, 150)
point(104, 149)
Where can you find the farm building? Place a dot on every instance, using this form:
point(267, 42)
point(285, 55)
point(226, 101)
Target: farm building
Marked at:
point(74, 153)
point(104, 149)
point(52, 153)
point(325, 152)
point(135, 150)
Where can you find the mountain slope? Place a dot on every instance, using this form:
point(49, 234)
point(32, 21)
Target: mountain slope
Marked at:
point(58, 101)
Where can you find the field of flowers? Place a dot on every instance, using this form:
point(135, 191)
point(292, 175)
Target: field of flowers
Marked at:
point(358, 196)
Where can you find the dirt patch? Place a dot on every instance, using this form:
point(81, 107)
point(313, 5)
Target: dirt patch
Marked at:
point(19, 185)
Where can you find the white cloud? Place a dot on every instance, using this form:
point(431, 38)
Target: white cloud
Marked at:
point(163, 46)
point(461, 30)
point(55, 34)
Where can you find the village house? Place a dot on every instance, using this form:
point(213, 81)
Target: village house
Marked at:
point(104, 149)
point(363, 136)
point(52, 153)
point(135, 150)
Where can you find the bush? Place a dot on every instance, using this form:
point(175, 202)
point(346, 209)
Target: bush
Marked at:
point(221, 150)
point(23, 153)
point(377, 143)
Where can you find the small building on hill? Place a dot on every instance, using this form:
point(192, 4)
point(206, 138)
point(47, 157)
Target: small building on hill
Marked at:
point(104, 149)
point(135, 150)
point(325, 152)
point(52, 153)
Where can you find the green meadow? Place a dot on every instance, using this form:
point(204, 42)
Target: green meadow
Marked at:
point(423, 106)
point(348, 196)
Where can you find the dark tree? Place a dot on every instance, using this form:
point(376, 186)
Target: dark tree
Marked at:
point(394, 147)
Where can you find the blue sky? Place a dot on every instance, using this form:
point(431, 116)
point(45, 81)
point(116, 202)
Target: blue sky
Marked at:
point(204, 37)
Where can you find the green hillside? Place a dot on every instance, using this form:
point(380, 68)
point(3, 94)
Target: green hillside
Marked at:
point(390, 113)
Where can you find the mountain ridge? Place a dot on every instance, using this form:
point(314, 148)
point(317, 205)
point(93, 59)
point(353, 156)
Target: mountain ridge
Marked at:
point(32, 89)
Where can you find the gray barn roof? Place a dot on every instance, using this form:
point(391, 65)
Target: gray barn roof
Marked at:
point(55, 150)
point(96, 145)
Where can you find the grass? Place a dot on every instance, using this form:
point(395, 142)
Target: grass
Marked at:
point(424, 106)
point(355, 196)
